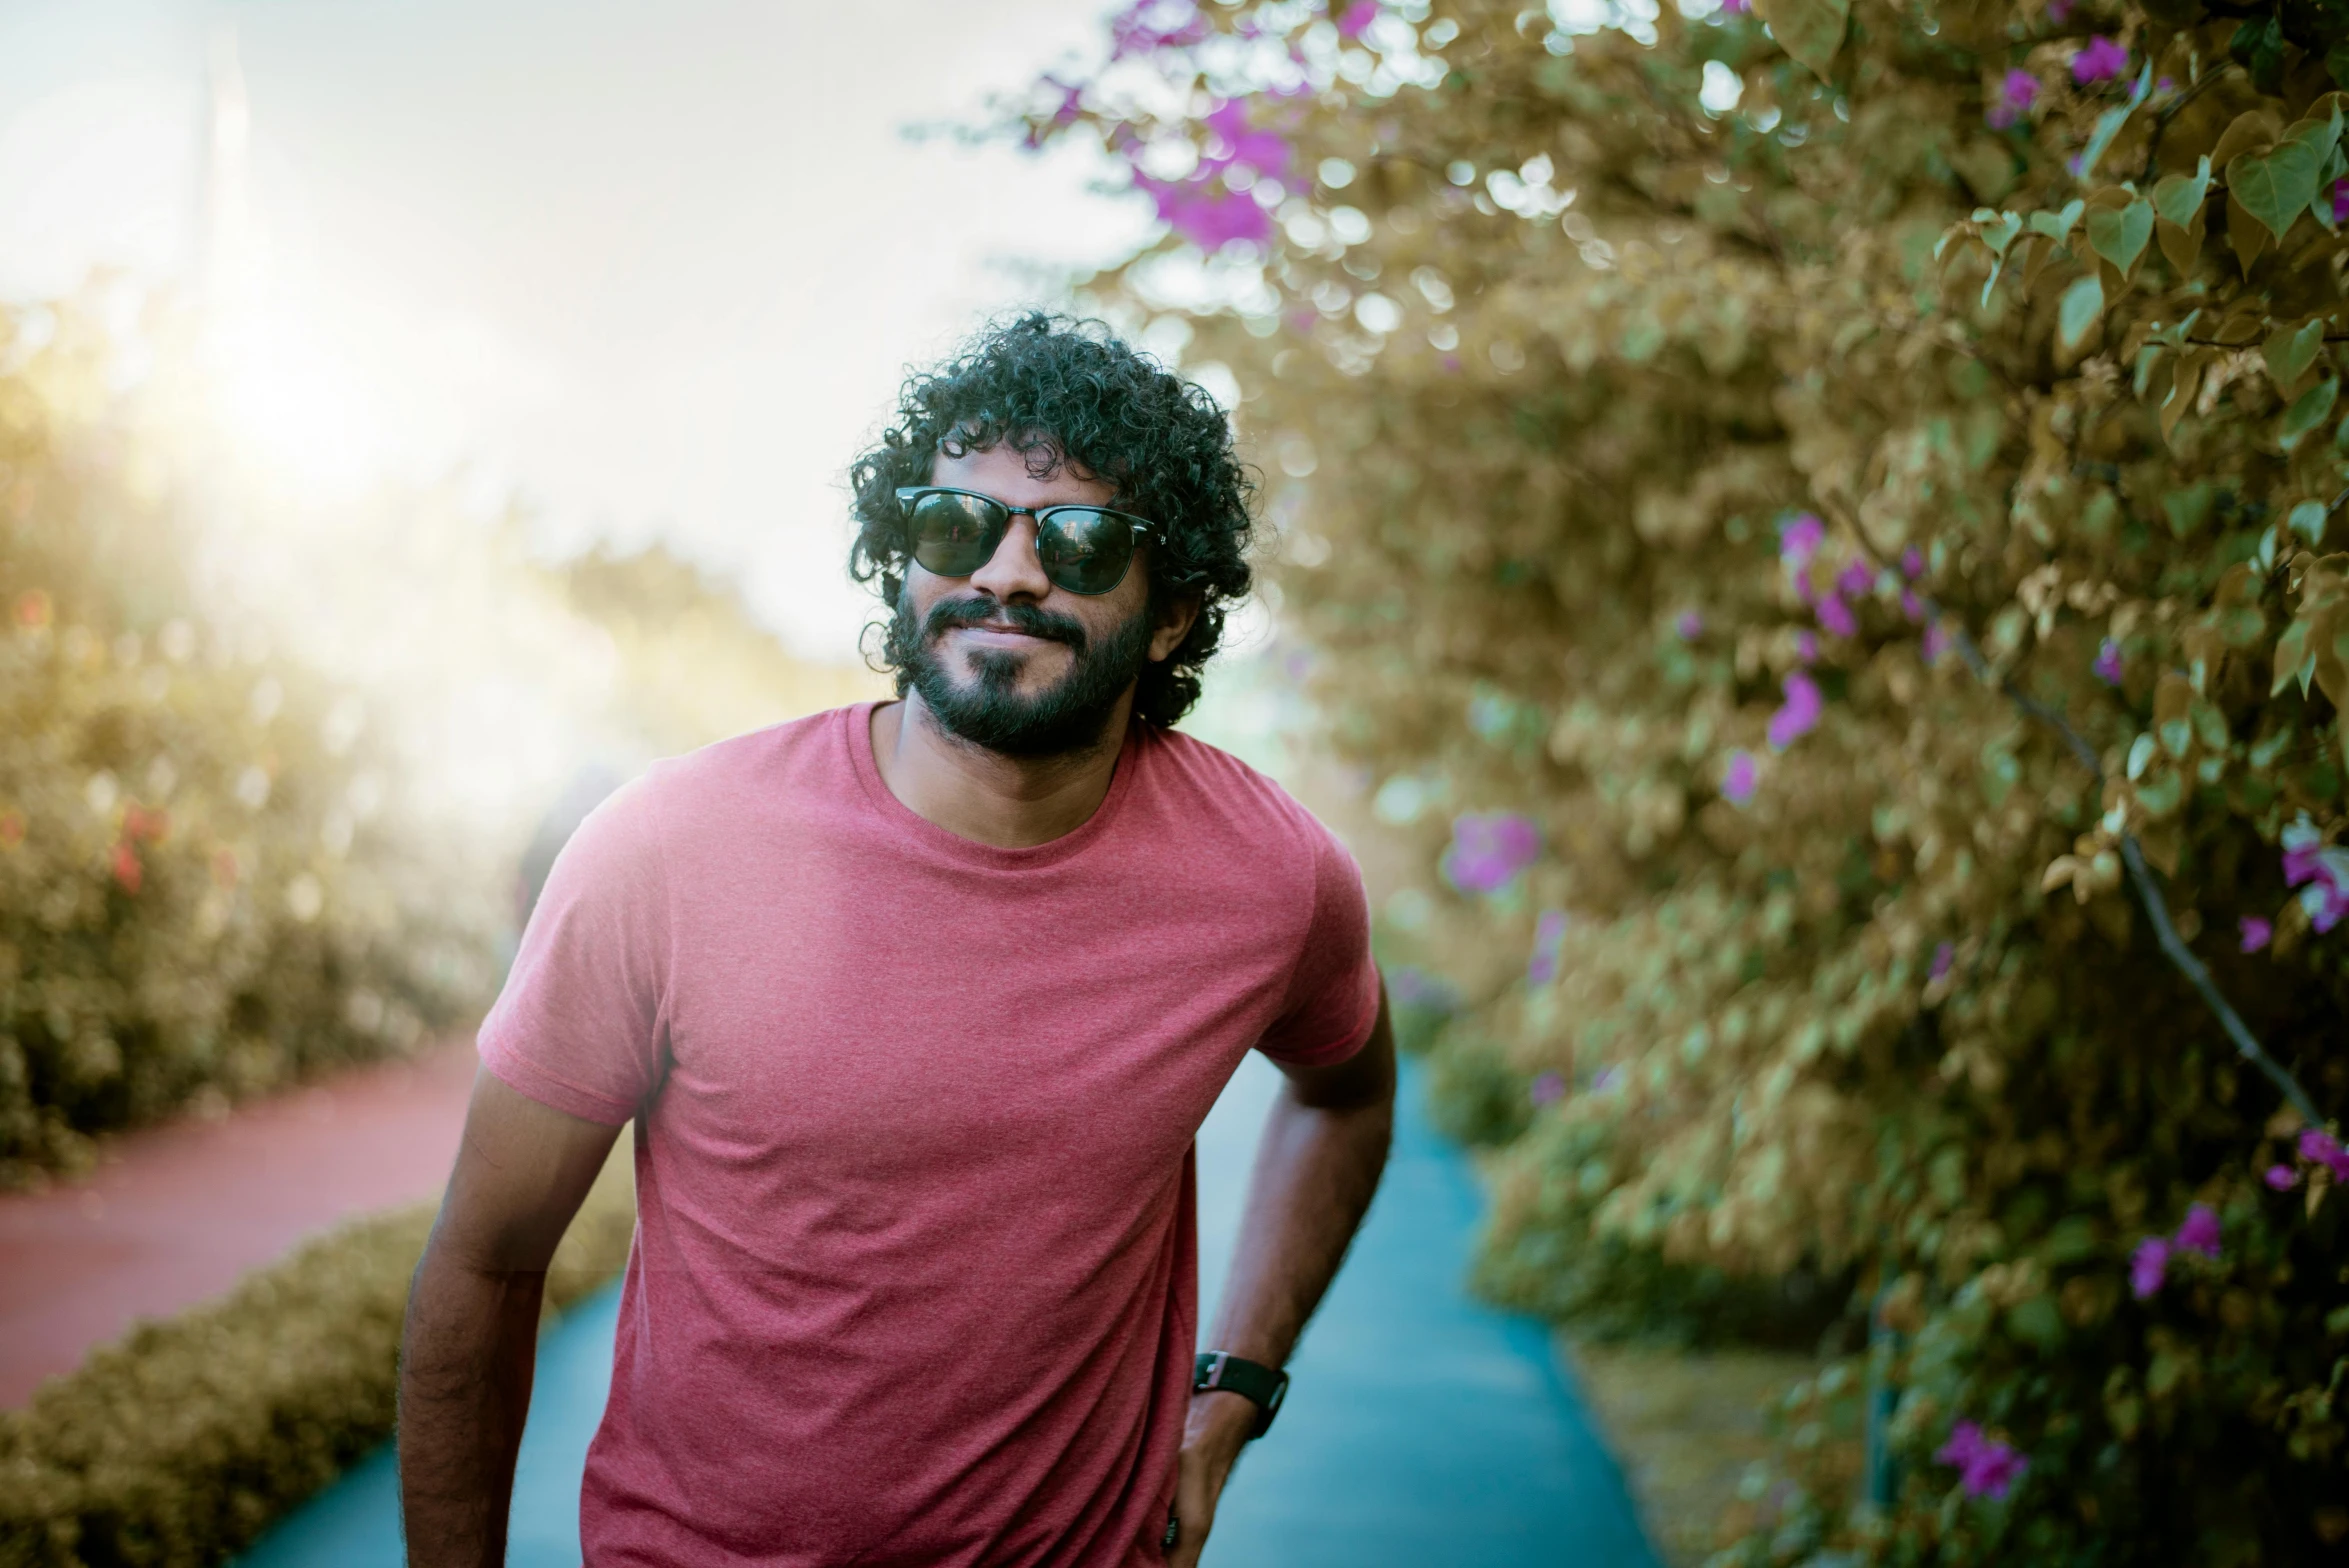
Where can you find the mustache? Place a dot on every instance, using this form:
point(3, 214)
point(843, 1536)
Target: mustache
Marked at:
point(947, 614)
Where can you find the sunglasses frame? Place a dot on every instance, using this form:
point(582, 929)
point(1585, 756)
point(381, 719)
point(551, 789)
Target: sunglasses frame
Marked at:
point(910, 495)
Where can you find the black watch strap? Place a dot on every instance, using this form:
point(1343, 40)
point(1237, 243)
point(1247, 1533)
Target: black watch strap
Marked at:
point(1262, 1386)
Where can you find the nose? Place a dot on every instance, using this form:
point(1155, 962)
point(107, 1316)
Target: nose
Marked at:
point(1015, 571)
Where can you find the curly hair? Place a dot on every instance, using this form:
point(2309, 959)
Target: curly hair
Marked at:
point(1060, 390)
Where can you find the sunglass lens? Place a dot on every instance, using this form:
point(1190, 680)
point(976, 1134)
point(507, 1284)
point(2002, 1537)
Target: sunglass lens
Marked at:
point(953, 535)
point(1086, 551)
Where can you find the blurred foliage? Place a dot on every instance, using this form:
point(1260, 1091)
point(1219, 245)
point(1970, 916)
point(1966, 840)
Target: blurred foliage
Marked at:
point(1664, 410)
point(177, 1446)
point(207, 887)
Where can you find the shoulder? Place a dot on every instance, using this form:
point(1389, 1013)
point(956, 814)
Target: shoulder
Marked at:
point(1218, 793)
point(745, 767)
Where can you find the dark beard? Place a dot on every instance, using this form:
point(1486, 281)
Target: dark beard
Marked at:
point(1070, 715)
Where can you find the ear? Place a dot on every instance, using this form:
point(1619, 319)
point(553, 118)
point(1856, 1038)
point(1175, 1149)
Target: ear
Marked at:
point(1174, 624)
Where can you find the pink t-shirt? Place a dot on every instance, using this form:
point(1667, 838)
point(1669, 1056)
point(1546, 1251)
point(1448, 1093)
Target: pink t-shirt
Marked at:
point(914, 1275)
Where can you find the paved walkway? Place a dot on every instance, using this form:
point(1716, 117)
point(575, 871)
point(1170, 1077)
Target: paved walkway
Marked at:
point(175, 1214)
point(1423, 1431)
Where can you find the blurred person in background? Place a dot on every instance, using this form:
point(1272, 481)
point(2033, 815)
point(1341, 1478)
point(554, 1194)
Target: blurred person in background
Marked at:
point(916, 1007)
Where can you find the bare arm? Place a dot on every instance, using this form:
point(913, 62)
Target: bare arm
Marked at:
point(472, 1330)
point(1317, 1165)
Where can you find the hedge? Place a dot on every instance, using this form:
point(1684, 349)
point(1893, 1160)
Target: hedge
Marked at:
point(178, 1445)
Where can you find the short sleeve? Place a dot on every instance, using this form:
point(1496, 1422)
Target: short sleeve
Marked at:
point(1332, 999)
point(581, 1022)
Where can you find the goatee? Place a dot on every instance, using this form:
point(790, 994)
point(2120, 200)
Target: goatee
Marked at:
point(990, 710)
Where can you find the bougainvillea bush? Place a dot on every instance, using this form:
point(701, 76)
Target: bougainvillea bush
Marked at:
point(1828, 519)
point(205, 889)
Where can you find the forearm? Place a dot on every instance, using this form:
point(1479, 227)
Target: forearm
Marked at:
point(1316, 1169)
point(465, 1369)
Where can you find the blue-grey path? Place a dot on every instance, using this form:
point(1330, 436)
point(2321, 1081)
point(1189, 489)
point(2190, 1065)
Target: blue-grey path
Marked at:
point(1422, 1431)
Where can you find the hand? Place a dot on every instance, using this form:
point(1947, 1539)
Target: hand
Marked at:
point(1213, 1434)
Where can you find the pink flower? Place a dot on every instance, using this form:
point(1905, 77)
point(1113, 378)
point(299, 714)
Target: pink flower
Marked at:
point(2148, 1267)
point(2017, 92)
point(1799, 539)
point(1855, 579)
point(1547, 1089)
point(1943, 956)
point(1357, 19)
point(1986, 1467)
point(2057, 10)
point(1800, 714)
point(2100, 61)
point(1740, 778)
point(1912, 563)
point(1910, 605)
point(1736, 7)
point(2257, 933)
point(1690, 626)
point(1549, 946)
point(2302, 843)
point(2107, 667)
point(1490, 848)
point(2325, 1149)
point(1836, 616)
point(2341, 201)
point(1806, 647)
point(1936, 643)
point(2282, 1177)
point(2199, 1231)
point(2320, 871)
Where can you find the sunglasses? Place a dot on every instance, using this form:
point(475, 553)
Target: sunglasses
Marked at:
point(1084, 549)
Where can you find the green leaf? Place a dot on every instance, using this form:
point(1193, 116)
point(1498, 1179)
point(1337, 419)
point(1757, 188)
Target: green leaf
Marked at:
point(2290, 352)
point(2178, 197)
point(1998, 229)
point(2057, 225)
point(2276, 186)
point(1810, 30)
point(2308, 521)
point(2308, 410)
point(2120, 234)
point(2081, 308)
point(2293, 660)
point(2109, 123)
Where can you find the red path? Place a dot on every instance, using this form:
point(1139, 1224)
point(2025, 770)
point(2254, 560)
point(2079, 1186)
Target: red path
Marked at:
point(174, 1214)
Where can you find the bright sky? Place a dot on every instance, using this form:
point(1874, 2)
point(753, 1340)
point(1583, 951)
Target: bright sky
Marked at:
point(655, 267)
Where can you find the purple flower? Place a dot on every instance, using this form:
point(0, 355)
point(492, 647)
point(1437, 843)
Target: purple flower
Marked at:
point(1267, 152)
point(1547, 1089)
point(1855, 579)
point(2282, 1177)
point(1489, 848)
point(2057, 10)
point(2100, 61)
point(2199, 1231)
point(2107, 667)
point(1836, 616)
point(1800, 714)
point(1912, 563)
point(2017, 92)
point(1986, 1466)
point(1357, 19)
point(2341, 201)
point(1806, 647)
point(2257, 933)
point(1740, 778)
point(2325, 1150)
point(1943, 956)
point(1690, 626)
point(1736, 7)
point(1208, 218)
point(1910, 605)
point(2323, 869)
point(1936, 643)
point(2148, 1267)
point(2302, 842)
point(1799, 538)
point(1549, 945)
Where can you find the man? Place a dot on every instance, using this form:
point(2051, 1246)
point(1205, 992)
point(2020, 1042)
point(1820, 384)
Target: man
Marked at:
point(916, 1008)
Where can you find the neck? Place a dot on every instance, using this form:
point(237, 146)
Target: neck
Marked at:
point(974, 793)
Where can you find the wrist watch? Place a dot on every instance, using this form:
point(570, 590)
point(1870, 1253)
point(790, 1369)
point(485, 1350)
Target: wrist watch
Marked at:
point(1262, 1386)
